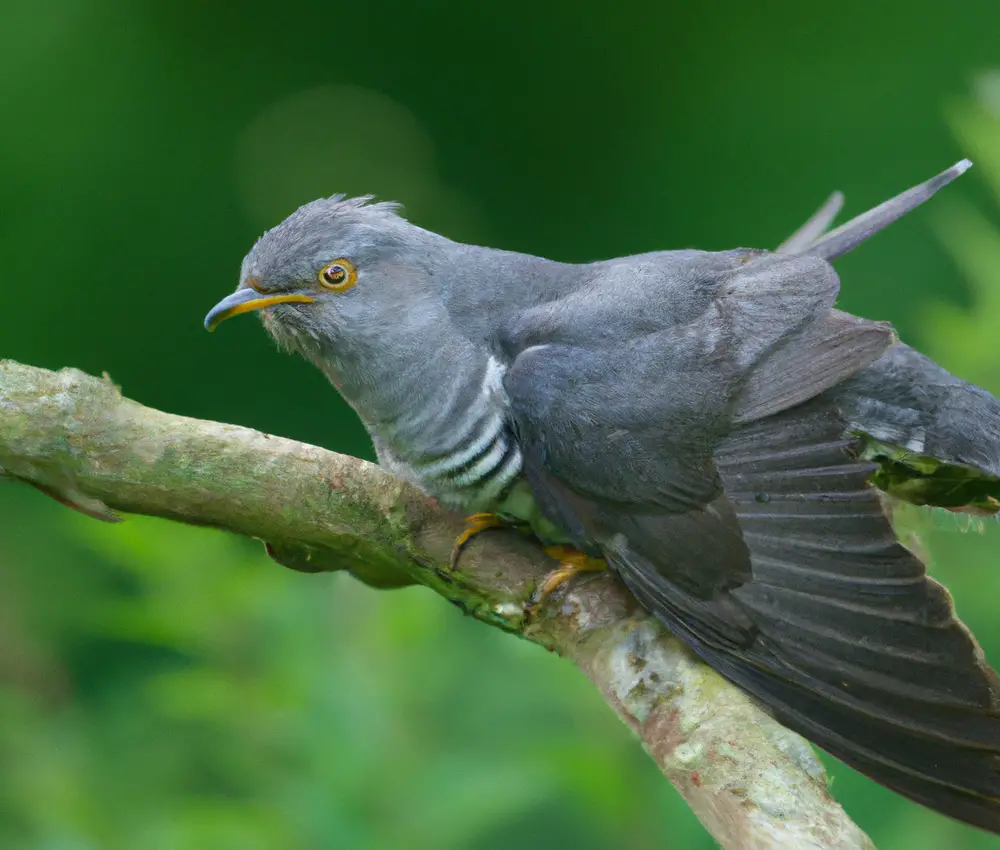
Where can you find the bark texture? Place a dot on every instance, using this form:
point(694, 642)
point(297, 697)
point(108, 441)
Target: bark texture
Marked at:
point(753, 784)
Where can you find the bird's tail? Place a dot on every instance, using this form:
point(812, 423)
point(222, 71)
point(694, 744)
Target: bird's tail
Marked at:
point(936, 437)
point(850, 643)
point(813, 238)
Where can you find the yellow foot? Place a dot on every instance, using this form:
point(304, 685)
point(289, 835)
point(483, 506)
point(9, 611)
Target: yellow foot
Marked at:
point(572, 562)
point(475, 524)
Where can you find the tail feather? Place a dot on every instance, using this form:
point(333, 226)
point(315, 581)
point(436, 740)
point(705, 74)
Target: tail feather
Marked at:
point(830, 246)
point(906, 400)
point(814, 228)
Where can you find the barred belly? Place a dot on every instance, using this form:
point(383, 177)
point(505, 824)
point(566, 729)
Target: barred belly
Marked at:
point(460, 450)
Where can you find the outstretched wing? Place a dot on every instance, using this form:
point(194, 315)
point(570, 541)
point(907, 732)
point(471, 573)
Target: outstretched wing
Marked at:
point(657, 384)
point(632, 418)
point(853, 645)
point(712, 471)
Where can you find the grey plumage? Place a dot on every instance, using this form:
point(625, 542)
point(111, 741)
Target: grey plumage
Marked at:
point(704, 422)
point(906, 399)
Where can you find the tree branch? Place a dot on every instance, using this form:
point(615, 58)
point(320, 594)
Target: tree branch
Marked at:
point(754, 784)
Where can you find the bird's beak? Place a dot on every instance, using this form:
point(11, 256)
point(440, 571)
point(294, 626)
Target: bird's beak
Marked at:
point(245, 301)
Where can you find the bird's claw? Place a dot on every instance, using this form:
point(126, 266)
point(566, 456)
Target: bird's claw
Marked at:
point(474, 524)
point(572, 562)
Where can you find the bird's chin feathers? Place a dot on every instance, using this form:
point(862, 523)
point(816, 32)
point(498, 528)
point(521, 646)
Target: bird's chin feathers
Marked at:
point(286, 327)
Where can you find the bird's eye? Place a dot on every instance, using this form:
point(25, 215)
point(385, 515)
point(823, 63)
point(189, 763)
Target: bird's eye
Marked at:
point(340, 275)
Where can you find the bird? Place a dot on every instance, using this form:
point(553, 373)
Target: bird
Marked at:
point(709, 426)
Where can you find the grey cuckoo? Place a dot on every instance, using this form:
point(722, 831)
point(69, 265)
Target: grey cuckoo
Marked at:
point(707, 424)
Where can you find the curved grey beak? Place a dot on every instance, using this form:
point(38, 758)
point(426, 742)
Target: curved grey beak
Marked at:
point(247, 300)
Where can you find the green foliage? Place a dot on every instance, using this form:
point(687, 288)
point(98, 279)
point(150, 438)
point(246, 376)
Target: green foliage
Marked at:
point(208, 698)
point(922, 480)
point(967, 335)
point(165, 687)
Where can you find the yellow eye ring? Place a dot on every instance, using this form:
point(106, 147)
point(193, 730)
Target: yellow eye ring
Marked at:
point(339, 276)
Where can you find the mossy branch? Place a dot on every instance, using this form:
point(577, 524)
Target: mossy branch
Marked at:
point(754, 784)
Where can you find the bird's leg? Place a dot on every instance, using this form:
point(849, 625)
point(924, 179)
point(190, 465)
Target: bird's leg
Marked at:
point(474, 524)
point(572, 562)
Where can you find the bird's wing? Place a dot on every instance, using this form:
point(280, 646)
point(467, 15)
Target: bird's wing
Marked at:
point(707, 462)
point(652, 390)
point(854, 646)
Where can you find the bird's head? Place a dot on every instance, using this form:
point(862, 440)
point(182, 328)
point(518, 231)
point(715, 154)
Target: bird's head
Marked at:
point(335, 273)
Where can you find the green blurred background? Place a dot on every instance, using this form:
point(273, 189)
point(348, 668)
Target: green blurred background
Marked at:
point(164, 687)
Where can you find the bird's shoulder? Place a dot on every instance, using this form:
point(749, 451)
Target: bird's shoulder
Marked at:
point(662, 287)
